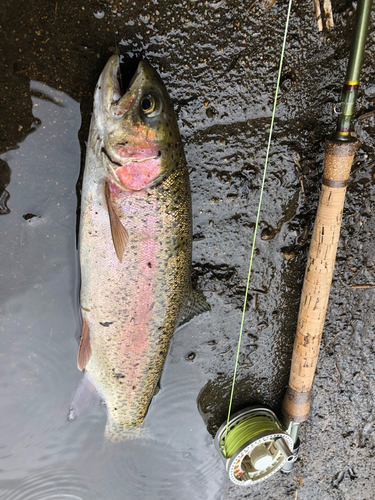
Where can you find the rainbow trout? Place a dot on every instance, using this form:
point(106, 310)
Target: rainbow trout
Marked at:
point(135, 243)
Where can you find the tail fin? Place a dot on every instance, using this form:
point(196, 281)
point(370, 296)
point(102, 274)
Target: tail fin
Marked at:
point(116, 432)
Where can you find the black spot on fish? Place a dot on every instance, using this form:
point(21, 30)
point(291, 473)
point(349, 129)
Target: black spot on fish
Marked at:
point(133, 387)
point(119, 375)
point(149, 264)
point(107, 323)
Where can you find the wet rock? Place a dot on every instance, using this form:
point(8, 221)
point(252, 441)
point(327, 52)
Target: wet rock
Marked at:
point(29, 216)
point(190, 356)
point(337, 478)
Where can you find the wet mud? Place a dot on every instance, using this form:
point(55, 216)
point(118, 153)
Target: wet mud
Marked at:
point(219, 62)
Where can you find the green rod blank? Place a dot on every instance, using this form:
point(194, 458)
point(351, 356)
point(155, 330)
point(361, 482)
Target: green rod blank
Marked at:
point(350, 89)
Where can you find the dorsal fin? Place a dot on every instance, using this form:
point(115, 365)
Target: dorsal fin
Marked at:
point(120, 236)
point(84, 349)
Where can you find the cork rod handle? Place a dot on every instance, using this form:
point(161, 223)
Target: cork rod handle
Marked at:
point(318, 278)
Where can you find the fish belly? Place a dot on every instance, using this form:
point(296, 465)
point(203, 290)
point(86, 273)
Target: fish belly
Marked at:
point(132, 307)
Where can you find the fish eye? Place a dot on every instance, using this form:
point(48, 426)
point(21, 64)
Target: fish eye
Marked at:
point(150, 105)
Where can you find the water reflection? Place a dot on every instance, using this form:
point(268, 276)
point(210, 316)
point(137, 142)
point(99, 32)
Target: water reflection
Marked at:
point(38, 299)
point(47, 484)
point(45, 456)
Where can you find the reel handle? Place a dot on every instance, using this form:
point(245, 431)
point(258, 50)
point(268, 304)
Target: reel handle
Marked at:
point(318, 277)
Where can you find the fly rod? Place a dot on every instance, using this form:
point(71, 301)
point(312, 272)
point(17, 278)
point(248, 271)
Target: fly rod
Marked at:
point(254, 443)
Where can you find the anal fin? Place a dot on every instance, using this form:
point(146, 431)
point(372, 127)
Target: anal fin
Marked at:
point(120, 235)
point(84, 349)
point(84, 396)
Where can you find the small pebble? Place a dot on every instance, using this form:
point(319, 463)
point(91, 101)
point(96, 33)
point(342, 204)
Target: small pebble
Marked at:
point(190, 356)
point(99, 14)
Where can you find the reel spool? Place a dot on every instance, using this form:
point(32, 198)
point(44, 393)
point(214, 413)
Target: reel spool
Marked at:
point(255, 446)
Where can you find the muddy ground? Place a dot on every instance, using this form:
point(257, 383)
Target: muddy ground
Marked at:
point(219, 62)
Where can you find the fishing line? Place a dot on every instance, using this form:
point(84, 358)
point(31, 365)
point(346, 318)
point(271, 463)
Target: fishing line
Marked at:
point(233, 437)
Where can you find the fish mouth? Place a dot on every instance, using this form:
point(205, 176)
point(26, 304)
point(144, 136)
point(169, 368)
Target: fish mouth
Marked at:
point(110, 97)
point(127, 160)
point(116, 101)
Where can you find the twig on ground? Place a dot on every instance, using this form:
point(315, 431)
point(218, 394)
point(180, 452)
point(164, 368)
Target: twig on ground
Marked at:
point(367, 115)
point(338, 371)
point(298, 165)
point(318, 15)
point(366, 285)
point(55, 14)
point(328, 15)
point(324, 426)
point(332, 340)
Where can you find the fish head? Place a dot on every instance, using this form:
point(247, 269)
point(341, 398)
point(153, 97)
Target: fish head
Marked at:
point(140, 141)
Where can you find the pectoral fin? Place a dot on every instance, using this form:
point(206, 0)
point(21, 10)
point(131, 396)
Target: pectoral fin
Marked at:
point(120, 236)
point(84, 349)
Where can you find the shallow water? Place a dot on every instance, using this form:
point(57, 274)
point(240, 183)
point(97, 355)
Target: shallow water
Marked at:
point(39, 324)
point(219, 62)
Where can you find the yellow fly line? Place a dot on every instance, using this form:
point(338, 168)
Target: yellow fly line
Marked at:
point(232, 437)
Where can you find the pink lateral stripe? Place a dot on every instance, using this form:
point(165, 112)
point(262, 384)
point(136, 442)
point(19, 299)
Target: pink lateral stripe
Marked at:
point(138, 333)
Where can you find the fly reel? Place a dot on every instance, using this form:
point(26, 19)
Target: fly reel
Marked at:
point(255, 446)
